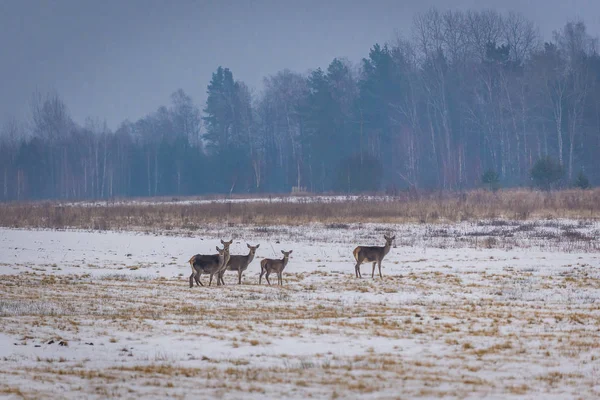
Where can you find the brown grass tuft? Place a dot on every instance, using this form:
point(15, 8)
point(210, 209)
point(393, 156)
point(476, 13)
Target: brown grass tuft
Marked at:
point(431, 207)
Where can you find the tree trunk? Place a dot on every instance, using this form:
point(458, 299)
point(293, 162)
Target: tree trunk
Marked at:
point(5, 183)
point(155, 172)
point(148, 173)
point(104, 170)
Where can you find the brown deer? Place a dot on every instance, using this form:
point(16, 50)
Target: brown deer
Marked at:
point(240, 263)
point(372, 254)
point(269, 265)
point(209, 264)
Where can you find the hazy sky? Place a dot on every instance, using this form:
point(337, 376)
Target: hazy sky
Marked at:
point(118, 59)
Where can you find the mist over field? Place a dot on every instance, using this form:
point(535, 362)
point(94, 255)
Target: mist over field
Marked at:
point(103, 100)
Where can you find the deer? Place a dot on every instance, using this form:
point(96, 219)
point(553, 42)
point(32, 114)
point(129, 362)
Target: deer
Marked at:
point(240, 263)
point(374, 254)
point(269, 265)
point(209, 264)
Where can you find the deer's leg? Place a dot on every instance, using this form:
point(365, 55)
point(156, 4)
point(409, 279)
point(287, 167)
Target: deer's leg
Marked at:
point(267, 276)
point(221, 278)
point(195, 277)
point(379, 264)
point(210, 280)
point(240, 277)
point(373, 273)
point(357, 267)
point(262, 272)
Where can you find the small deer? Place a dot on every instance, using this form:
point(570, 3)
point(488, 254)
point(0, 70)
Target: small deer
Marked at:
point(240, 263)
point(209, 264)
point(372, 254)
point(269, 265)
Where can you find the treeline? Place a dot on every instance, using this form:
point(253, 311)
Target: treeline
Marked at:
point(472, 93)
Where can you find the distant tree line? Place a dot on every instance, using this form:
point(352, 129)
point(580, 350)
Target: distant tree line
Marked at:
point(474, 98)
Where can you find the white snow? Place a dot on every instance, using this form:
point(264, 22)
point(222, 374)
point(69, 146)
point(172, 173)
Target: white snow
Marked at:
point(455, 315)
point(226, 199)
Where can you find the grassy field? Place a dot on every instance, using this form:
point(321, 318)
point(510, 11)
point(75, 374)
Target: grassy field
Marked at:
point(192, 213)
point(487, 306)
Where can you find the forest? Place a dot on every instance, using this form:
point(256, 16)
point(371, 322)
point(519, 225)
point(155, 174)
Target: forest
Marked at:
point(467, 95)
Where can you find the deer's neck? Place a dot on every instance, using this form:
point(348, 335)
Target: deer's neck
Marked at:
point(284, 262)
point(386, 248)
point(249, 257)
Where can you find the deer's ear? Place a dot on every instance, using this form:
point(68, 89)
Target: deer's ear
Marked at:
point(290, 252)
point(282, 252)
point(218, 249)
point(257, 246)
point(385, 237)
point(248, 245)
point(393, 237)
point(222, 242)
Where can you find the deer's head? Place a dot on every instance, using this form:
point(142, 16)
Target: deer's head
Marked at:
point(226, 244)
point(286, 254)
point(252, 248)
point(389, 240)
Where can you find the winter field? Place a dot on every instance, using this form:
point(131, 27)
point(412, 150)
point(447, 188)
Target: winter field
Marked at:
point(489, 308)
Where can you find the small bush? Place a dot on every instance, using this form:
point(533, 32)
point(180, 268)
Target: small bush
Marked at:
point(547, 173)
point(582, 181)
point(491, 180)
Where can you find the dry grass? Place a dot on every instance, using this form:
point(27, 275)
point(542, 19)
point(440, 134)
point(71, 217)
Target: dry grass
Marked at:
point(432, 327)
point(473, 343)
point(426, 208)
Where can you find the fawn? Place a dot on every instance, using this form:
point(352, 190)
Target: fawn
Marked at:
point(269, 265)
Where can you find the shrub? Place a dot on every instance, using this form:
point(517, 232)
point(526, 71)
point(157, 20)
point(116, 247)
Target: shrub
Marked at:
point(582, 181)
point(547, 173)
point(491, 180)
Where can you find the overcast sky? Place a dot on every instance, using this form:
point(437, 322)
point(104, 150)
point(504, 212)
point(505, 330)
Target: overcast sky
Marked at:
point(121, 59)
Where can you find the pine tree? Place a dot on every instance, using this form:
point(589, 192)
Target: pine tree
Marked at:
point(582, 181)
point(491, 179)
point(228, 122)
point(546, 173)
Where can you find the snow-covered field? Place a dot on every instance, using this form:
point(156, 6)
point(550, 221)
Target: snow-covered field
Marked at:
point(495, 309)
point(226, 199)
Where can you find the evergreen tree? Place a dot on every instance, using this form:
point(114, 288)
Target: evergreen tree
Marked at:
point(228, 122)
point(379, 90)
point(582, 181)
point(491, 179)
point(546, 173)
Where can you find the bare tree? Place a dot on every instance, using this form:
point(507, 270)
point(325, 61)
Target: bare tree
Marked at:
point(483, 27)
point(283, 94)
point(575, 45)
point(428, 32)
point(521, 35)
point(51, 121)
point(50, 118)
point(11, 133)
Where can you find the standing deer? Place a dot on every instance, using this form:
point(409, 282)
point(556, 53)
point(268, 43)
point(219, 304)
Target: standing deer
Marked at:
point(269, 265)
point(209, 264)
point(240, 263)
point(372, 254)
